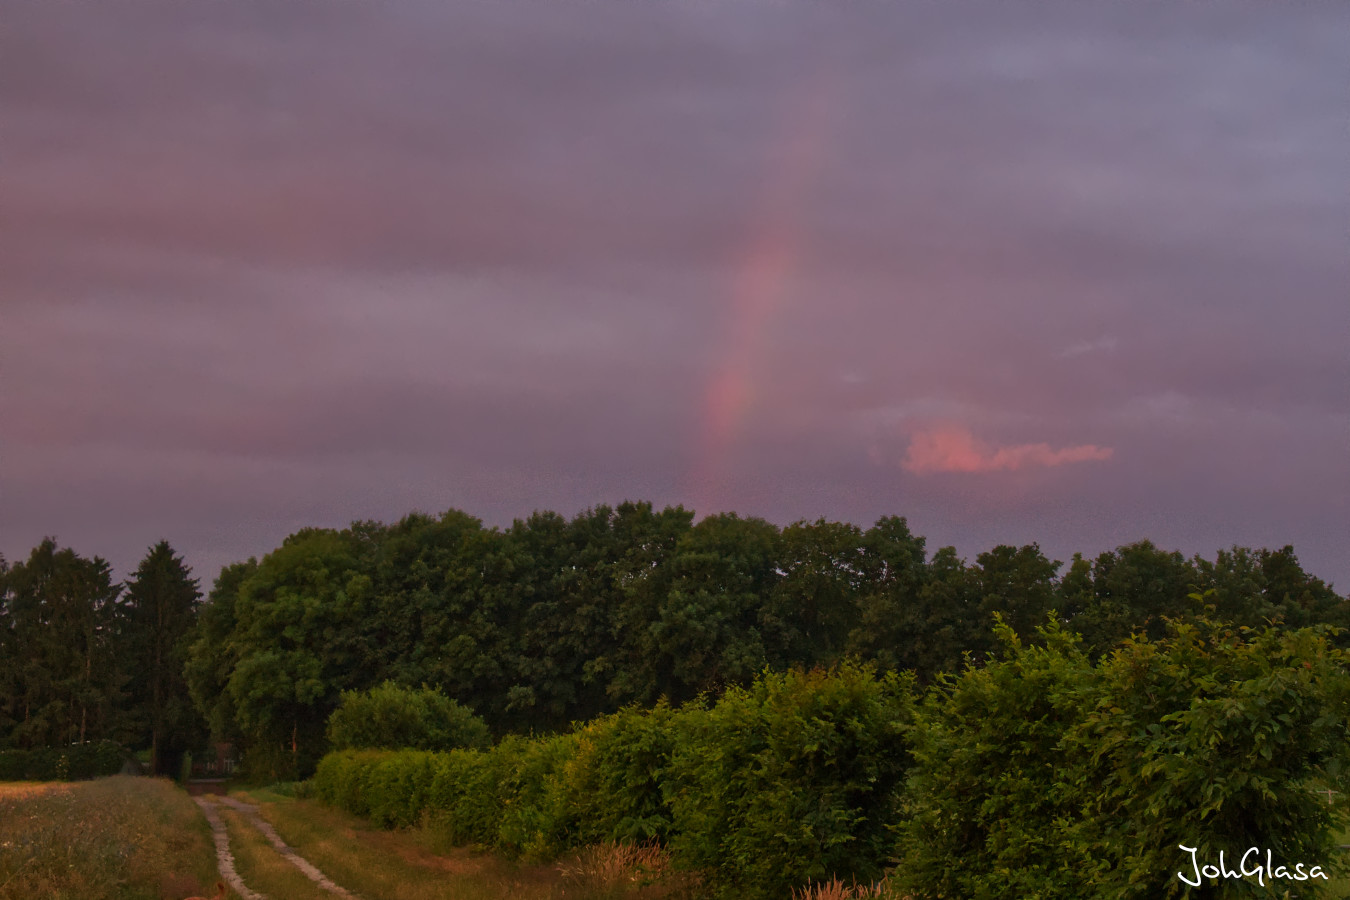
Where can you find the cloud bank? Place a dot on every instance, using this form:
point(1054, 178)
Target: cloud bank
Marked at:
point(954, 449)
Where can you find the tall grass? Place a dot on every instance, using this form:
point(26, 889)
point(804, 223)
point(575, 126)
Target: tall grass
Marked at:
point(420, 863)
point(117, 838)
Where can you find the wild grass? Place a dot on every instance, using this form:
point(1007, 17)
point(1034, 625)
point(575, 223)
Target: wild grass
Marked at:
point(419, 864)
point(118, 838)
point(628, 870)
point(834, 889)
point(262, 867)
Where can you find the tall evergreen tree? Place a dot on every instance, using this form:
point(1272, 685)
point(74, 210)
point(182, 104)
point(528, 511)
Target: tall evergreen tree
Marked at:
point(59, 616)
point(161, 608)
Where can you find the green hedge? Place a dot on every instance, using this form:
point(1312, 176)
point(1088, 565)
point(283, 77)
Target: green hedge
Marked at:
point(793, 780)
point(815, 762)
point(1042, 776)
point(76, 762)
point(612, 785)
point(1039, 775)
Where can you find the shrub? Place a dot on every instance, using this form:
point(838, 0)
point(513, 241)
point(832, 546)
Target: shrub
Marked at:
point(391, 717)
point(612, 783)
point(342, 779)
point(465, 797)
point(1223, 732)
point(1041, 776)
point(535, 819)
point(991, 784)
point(77, 762)
point(792, 780)
point(398, 787)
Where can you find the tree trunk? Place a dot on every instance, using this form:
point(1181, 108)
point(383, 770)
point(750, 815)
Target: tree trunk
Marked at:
point(157, 676)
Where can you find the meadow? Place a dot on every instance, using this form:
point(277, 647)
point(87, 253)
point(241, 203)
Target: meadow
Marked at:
point(125, 838)
point(118, 838)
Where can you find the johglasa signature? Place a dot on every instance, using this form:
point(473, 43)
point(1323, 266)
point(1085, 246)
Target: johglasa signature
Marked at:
point(1269, 870)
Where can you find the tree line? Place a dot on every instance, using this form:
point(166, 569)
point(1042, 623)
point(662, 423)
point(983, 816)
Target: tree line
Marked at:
point(555, 620)
point(85, 659)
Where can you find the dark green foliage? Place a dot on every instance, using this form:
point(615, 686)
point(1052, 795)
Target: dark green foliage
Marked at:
point(791, 780)
point(299, 644)
point(814, 606)
point(556, 620)
point(77, 762)
point(613, 781)
point(990, 784)
point(391, 717)
point(707, 630)
point(212, 652)
point(1134, 588)
point(159, 612)
point(1226, 730)
point(1016, 586)
point(1042, 776)
point(61, 671)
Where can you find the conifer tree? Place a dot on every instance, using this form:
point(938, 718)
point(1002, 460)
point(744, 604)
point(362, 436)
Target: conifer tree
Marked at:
point(162, 599)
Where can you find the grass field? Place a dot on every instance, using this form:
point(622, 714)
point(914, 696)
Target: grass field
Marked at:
point(117, 838)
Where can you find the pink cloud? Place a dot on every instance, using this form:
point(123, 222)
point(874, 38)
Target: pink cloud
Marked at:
point(950, 448)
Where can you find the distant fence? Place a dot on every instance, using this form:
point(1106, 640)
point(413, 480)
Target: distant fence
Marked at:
point(213, 768)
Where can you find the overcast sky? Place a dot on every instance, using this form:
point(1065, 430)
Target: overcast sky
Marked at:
point(1074, 274)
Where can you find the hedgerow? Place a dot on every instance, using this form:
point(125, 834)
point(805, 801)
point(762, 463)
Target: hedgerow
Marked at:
point(95, 759)
point(1041, 774)
point(817, 757)
point(792, 780)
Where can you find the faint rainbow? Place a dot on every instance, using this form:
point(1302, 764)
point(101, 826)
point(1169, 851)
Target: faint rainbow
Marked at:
point(762, 274)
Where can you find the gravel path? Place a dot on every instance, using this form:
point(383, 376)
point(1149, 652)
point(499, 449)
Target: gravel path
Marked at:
point(226, 859)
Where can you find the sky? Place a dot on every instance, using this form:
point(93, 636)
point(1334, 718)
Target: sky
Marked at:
point(1066, 273)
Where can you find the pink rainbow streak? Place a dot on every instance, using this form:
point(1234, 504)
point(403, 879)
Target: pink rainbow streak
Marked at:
point(768, 263)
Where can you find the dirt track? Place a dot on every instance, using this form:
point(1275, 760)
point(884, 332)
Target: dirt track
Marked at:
point(225, 859)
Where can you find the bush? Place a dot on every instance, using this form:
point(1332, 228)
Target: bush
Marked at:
point(77, 762)
point(991, 784)
point(1041, 776)
point(391, 717)
point(1227, 730)
point(535, 816)
point(509, 798)
point(398, 787)
point(792, 780)
point(342, 779)
point(465, 796)
point(612, 783)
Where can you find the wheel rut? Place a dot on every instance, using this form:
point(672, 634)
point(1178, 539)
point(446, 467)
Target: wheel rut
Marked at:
point(225, 859)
